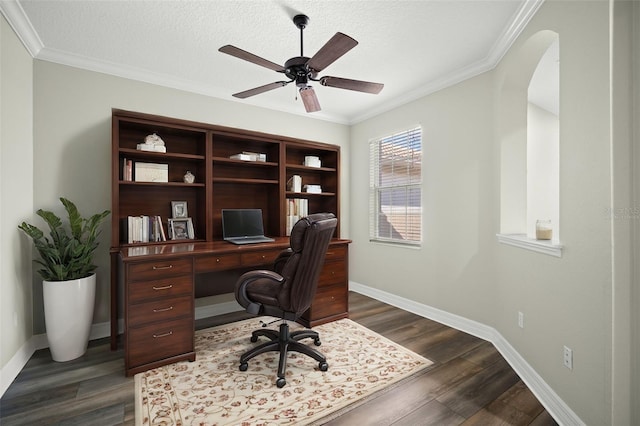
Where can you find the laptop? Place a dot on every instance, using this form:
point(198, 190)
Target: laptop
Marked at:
point(243, 226)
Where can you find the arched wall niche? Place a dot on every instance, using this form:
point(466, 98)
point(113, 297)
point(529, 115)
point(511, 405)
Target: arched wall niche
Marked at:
point(512, 131)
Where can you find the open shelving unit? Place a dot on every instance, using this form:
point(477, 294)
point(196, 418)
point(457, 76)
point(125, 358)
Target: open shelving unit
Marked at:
point(220, 181)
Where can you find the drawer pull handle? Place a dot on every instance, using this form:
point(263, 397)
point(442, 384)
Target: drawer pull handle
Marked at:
point(218, 260)
point(163, 309)
point(157, 336)
point(166, 287)
point(264, 257)
point(157, 268)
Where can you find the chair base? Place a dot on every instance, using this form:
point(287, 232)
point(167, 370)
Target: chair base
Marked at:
point(283, 342)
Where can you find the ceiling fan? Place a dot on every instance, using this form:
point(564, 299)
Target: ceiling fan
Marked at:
point(302, 69)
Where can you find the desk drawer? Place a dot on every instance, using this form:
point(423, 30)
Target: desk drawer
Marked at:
point(263, 257)
point(157, 341)
point(335, 253)
point(158, 269)
point(168, 287)
point(328, 301)
point(160, 310)
point(217, 263)
point(333, 272)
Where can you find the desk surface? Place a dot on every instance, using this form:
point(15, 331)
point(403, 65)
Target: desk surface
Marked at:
point(201, 248)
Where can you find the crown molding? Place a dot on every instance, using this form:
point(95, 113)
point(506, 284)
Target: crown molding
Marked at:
point(17, 19)
point(509, 35)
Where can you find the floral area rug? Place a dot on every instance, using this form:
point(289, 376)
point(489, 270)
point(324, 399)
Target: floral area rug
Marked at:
point(213, 391)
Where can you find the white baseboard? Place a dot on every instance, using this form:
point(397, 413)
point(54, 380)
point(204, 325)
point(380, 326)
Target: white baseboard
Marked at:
point(11, 369)
point(545, 394)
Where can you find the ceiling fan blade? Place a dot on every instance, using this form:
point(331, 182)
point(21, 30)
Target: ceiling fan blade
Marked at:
point(337, 46)
point(309, 99)
point(243, 54)
point(261, 89)
point(357, 85)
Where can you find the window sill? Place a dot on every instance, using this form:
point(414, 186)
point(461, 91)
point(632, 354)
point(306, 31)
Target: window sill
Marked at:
point(552, 248)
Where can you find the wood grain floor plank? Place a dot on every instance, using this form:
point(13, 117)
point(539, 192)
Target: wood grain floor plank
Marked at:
point(480, 390)
point(484, 354)
point(431, 414)
point(469, 381)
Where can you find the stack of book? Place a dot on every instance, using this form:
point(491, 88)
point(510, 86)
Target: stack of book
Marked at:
point(249, 156)
point(297, 208)
point(144, 229)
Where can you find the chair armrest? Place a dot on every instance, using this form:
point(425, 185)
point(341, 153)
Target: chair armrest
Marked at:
point(247, 278)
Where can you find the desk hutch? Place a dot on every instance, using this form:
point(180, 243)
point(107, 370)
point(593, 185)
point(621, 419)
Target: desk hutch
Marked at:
point(158, 281)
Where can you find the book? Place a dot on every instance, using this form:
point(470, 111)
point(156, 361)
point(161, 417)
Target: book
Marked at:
point(151, 147)
point(312, 161)
point(294, 183)
point(243, 157)
point(126, 170)
point(313, 189)
point(151, 172)
point(143, 229)
point(297, 208)
point(249, 156)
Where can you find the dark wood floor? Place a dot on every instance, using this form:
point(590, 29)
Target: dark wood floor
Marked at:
point(469, 383)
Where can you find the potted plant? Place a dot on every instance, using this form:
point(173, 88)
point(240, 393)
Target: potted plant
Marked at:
point(69, 280)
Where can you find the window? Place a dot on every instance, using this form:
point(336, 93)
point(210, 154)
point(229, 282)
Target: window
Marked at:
point(395, 189)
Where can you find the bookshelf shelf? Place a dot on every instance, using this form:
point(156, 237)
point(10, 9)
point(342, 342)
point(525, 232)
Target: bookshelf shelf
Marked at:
point(245, 163)
point(160, 184)
point(309, 194)
point(247, 181)
point(158, 156)
point(310, 169)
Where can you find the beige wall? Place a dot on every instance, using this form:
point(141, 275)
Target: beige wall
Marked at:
point(463, 270)
point(16, 194)
point(72, 142)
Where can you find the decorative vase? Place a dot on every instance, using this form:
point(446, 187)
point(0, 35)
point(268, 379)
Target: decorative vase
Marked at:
point(68, 315)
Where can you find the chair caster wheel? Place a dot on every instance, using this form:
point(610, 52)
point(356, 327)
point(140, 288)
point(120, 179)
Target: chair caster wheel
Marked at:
point(281, 382)
point(254, 339)
point(317, 342)
point(323, 366)
point(244, 366)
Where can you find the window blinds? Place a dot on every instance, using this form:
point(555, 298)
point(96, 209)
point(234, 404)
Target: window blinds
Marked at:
point(395, 210)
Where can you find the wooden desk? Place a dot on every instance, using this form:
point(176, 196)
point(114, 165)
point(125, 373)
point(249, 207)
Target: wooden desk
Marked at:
point(158, 283)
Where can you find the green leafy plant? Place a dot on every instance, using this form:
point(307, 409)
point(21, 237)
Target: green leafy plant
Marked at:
point(63, 256)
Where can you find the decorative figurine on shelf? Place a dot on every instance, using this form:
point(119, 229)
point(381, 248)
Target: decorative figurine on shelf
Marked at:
point(189, 177)
point(153, 140)
point(152, 143)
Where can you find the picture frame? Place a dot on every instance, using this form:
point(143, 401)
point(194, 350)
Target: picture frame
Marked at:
point(181, 229)
point(179, 209)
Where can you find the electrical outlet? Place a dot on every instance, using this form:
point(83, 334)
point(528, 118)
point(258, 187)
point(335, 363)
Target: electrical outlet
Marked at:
point(520, 320)
point(567, 358)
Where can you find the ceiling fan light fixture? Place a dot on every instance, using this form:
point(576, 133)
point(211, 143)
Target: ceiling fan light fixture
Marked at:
point(309, 99)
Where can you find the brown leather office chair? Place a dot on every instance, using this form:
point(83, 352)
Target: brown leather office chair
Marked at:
point(287, 292)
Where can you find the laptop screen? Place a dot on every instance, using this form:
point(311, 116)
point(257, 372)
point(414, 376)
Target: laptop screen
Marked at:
point(241, 223)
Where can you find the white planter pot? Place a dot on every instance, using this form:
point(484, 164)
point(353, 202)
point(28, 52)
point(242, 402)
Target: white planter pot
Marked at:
point(68, 315)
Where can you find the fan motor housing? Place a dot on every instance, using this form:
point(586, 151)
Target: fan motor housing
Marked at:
point(296, 69)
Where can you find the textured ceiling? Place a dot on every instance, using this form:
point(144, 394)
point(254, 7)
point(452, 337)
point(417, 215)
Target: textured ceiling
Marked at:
point(413, 47)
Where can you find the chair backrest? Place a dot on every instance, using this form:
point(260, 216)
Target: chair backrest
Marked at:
point(309, 242)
